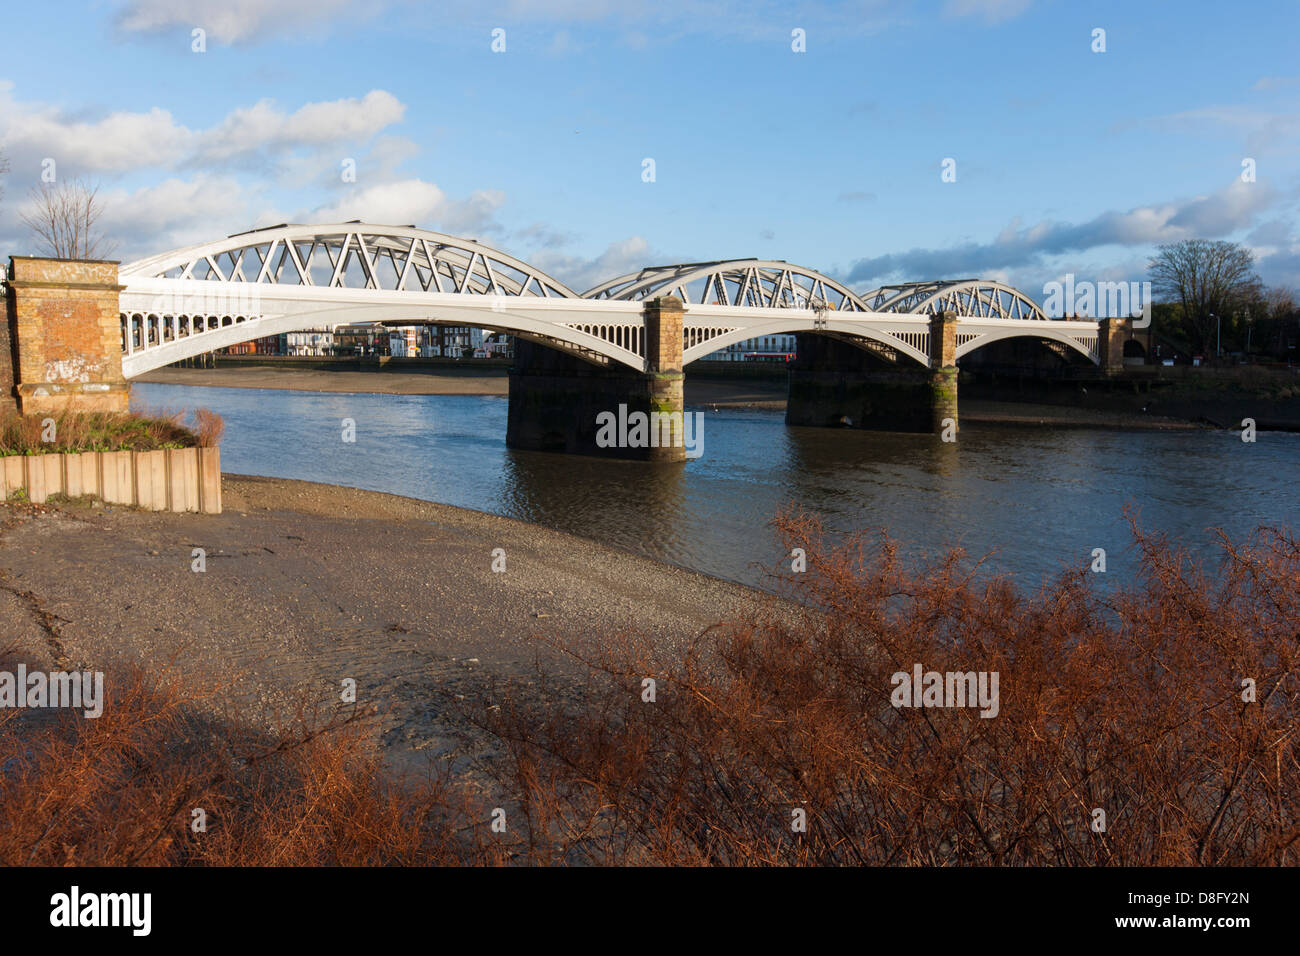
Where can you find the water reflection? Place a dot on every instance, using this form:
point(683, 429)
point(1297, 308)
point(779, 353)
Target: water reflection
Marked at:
point(575, 492)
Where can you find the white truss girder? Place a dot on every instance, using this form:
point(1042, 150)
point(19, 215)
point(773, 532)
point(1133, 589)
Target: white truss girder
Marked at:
point(753, 283)
point(355, 255)
point(977, 298)
point(287, 278)
point(159, 336)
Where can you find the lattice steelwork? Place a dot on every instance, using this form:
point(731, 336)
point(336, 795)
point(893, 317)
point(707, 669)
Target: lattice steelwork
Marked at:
point(291, 277)
point(355, 256)
point(753, 283)
point(974, 298)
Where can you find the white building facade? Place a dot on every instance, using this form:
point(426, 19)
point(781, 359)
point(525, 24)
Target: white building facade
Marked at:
point(765, 348)
point(309, 342)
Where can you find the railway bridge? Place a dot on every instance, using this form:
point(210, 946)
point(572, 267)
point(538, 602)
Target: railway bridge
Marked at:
point(885, 359)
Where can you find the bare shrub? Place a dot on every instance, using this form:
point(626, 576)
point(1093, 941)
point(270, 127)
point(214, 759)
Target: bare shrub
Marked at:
point(120, 789)
point(1129, 703)
point(209, 427)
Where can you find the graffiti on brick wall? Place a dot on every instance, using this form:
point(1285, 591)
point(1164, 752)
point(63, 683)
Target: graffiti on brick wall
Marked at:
point(71, 370)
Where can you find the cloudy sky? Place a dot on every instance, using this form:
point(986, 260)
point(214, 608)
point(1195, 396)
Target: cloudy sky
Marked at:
point(1065, 159)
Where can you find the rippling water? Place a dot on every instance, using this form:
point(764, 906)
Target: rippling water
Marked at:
point(1034, 497)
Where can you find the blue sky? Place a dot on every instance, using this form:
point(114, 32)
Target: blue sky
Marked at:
point(1067, 160)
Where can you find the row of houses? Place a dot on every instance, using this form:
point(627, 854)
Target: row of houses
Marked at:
point(767, 348)
point(435, 341)
point(398, 341)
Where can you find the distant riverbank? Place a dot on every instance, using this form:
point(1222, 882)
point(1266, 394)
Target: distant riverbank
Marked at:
point(740, 393)
point(758, 393)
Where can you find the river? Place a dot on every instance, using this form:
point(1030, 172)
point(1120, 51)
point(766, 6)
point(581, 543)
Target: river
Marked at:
point(1033, 499)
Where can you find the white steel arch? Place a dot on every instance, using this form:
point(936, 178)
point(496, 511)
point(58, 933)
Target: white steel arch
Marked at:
point(290, 277)
point(711, 327)
point(756, 283)
point(287, 277)
point(1082, 337)
point(167, 320)
point(974, 298)
point(354, 255)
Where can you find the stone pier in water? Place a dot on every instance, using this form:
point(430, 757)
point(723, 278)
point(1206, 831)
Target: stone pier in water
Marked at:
point(834, 382)
point(559, 402)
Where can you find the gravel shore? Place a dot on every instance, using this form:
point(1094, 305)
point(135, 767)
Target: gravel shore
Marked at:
point(307, 584)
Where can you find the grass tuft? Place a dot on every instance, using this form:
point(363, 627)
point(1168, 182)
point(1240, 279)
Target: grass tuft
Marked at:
point(73, 431)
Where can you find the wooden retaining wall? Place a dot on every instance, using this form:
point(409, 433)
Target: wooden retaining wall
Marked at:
point(179, 479)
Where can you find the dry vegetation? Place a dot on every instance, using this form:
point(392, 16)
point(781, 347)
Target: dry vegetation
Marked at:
point(1129, 701)
point(121, 790)
point(76, 431)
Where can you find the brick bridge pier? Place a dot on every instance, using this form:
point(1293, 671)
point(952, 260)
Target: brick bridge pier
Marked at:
point(555, 398)
point(61, 346)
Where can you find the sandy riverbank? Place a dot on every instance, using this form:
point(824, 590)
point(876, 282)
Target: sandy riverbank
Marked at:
point(432, 382)
point(308, 584)
point(766, 394)
point(440, 381)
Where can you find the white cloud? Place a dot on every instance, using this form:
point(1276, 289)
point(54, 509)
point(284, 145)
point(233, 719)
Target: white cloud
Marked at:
point(1235, 207)
point(414, 202)
point(155, 218)
point(1261, 129)
point(1275, 82)
point(991, 11)
point(579, 274)
point(118, 141)
point(542, 235)
point(175, 202)
point(263, 128)
point(174, 213)
point(1281, 266)
point(180, 212)
point(396, 203)
point(122, 141)
point(474, 215)
point(235, 21)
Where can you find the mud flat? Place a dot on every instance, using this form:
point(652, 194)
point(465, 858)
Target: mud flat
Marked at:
point(307, 584)
point(445, 381)
point(437, 381)
point(762, 393)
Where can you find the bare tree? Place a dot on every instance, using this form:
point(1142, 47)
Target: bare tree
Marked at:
point(1209, 278)
point(65, 218)
point(1280, 301)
